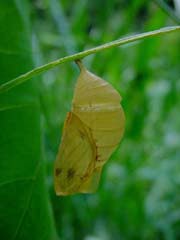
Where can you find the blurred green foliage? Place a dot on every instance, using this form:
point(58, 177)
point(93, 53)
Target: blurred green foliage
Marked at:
point(139, 193)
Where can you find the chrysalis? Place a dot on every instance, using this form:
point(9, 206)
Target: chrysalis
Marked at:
point(92, 131)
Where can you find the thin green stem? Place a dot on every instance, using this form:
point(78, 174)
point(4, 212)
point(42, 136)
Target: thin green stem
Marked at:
point(168, 10)
point(24, 77)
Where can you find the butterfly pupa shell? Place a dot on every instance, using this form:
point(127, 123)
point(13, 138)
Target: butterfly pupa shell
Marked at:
point(92, 131)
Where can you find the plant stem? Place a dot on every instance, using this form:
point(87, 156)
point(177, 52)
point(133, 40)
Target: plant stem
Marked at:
point(24, 77)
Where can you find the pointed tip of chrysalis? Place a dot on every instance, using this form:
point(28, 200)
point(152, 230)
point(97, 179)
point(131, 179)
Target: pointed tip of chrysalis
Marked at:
point(80, 64)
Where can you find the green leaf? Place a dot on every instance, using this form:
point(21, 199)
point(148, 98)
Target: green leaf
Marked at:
point(25, 211)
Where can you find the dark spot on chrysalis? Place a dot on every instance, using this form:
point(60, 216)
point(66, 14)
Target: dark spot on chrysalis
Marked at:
point(58, 171)
point(82, 135)
point(98, 157)
point(70, 173)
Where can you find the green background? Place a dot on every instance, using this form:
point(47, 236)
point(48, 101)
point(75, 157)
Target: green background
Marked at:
point(139, 192)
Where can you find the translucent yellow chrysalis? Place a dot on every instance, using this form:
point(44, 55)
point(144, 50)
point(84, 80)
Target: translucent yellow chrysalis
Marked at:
point(92, 131)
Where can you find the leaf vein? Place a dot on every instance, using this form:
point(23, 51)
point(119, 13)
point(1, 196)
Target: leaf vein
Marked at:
point(33, 179)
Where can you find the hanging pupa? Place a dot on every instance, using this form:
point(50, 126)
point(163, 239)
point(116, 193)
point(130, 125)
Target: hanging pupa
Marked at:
point(92, 131)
